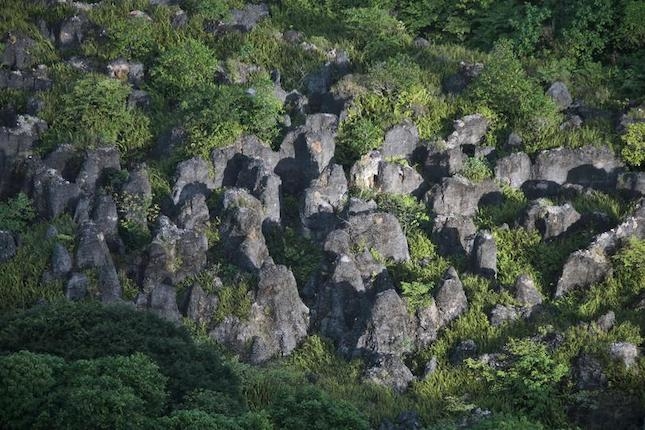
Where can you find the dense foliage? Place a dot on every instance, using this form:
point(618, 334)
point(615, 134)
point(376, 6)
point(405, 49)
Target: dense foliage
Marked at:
point(378, 64)
point(110, 367)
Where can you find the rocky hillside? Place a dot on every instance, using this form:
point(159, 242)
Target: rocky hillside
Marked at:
point(404, 215)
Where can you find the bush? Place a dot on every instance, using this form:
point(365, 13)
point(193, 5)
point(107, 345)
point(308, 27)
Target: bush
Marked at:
point(530, 383)
point(506, 213)
point(634, 144)
point(296, 252)
point(476, 169)
point(42, 391)
point(21, 278)
point(91, 330)
point(16, 214)
point(216, 116)
point(523, 106)
point(376, 33)
point(311, 408)
point(95, 113)
point(186, 68)
point(390, 99)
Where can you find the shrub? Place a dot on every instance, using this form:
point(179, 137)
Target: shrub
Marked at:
point(372, 113)
point(216, 116)
point(476, 169)
point(308, 407)
point(298, 253)
point(505, 88)
point(634, 144)
point(117, 33)
point(21, 278)
point(186, 68)
point(376, 33)
point(596, 201)
point(506, 213)
point(530, 383)
point(16, 214)
point(91, 330)
point(42, 391)
point(95, 113)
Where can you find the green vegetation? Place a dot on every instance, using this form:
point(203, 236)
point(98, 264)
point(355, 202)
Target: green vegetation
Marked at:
point(84, 365)
point(518, 101)
point(634, 144)
point(530, 384)
point(16, 214)
point(476, 169)
point(74, 365)
point(296, 252)
point(95, 113)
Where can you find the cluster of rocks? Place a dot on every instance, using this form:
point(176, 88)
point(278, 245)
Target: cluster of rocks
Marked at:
point(352, 298)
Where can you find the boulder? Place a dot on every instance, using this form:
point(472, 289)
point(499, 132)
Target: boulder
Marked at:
point(550, 221)
point(372, 172)
point(130, 71)
point(92, 253)
point(404, 421)
point(400, 141)
point(560, 95)
point(391, 372)
point(106, 218)
point(381, 233)
point(624, 352)
point(463, 350)
point(593, 264)
point(454, 234)
point(264, 185)
point(306, 151)
point(61, 261)
point(174, 254)
point(76, 287)
point(8, 246)
point(53, 195)
point(97, 163)
point(241, 230)
point(427, 325)
point(442, 162)
point(193, 176)
point(247, 18)
point(501, 314)
point(16, 145)
point(163, 302)
point(230, 161)
point(322, 202)
point(194, 214)
point(588, 373)
point(65, 159)
point(458, 195)
point(537, 189)
point(356, 206)
point(72, 31)
point(514, 169)
point(606, 321)
point(526, 293)
point(450, 298)
point(278, 321)
point(138, 183)
point(199, 306)
point(484, 255)
point(631, 183)
point(18, 52)
point(457, 83)
point(388, 329)
point(469, 130)
point(590, 166)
